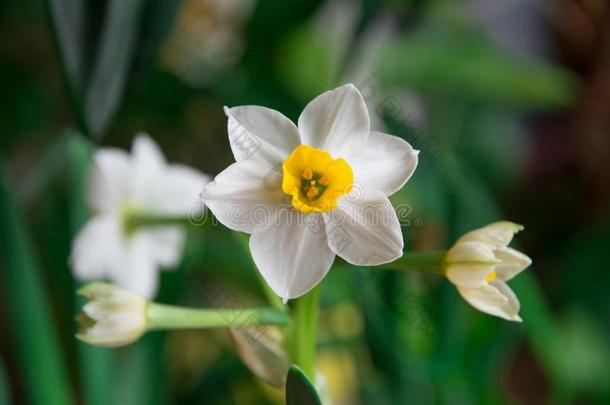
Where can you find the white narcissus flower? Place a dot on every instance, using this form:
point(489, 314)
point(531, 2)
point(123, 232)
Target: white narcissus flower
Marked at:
point(311, 192)
point(113, 316)
point(480, 263)
point(142, 183)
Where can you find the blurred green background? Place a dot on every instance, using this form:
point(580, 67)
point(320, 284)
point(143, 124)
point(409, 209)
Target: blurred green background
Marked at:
point(508, 101)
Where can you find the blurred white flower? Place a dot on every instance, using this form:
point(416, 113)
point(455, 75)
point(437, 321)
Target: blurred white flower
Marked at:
point(480, 263)
point(121, 185)
point(113, 316)
point(308, 193)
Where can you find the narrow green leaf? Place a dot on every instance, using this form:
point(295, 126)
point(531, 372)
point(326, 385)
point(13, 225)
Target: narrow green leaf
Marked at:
point(35, 338)
point(5, 395)
point(112, 63)
point(79, 159)
point(96, 364)
point(299, 390)
point(66, 18)
point(140, 378)
point(465, 65)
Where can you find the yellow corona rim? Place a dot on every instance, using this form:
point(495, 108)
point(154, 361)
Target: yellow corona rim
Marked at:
point(315, 180)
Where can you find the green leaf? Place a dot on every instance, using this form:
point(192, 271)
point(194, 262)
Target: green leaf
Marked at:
point(66, 18)
point(465, 65)
point(5, 395)
point(95, 86)
point(299, 390)
point(79, 159)
point(35, 338)
point(96, 364)
point(112, 63)
point(140, 378)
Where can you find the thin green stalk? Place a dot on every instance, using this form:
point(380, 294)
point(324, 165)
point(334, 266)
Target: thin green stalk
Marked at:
point(431, 262)
point(161, 316)
point(303, 342)
point(140, 220)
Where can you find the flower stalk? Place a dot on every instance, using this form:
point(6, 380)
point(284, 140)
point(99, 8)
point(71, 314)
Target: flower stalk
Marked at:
point(303, 339)
point(161, 316)
point(428, 262)
point(137, 220)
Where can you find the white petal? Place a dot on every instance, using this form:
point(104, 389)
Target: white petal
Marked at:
point(496, 235)
point(149, 166)
point(138, 271)
point(110, 299)
point(165, 244)
point(489, 299)
point(385, 164)
point(245, 195)
point(364, 229)
point(292, 255)
point(336, 121)
point(96, 249)
point(511, 308)
point(259, 133)
point(108, 184)
point(176, 192)
point(146, 151)
point(116, 330)
point(512, 263)
point(469, 264)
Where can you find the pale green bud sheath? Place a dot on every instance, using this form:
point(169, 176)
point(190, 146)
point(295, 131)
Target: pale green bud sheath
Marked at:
point(116, 317)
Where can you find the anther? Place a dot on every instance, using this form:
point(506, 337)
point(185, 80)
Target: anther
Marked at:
point(307, 174)
point(312, 192)
point(324, 181)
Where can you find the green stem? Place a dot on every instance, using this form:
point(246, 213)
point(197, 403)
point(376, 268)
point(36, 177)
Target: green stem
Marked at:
point(303, 342)
point(161, 316)
point(135, 220)
point(429, 262)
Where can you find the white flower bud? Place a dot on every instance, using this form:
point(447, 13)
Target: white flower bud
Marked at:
point(113, 316)
point(480, 263)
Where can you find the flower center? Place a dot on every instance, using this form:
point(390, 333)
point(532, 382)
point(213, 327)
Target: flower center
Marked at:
point(315, 180)
point(491, 276)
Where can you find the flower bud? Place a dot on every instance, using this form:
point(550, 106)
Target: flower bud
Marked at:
point(113, 316)
point(480, 263)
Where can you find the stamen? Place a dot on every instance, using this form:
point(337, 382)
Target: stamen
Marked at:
point(307, 174)
point(312, 192)
point(324, 181)
point(491, 276)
